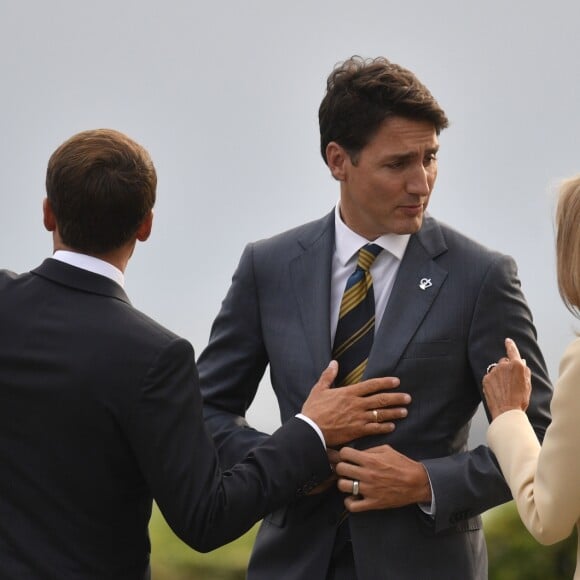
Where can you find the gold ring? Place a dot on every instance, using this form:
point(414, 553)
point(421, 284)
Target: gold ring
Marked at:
point(376, 415)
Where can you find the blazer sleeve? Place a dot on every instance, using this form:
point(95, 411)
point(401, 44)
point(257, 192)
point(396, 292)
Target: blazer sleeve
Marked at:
point(232, 365)
point(204, 506)
point(470, 482)
point(545, 481)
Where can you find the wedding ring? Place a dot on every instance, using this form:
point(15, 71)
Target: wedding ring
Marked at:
point(489, 367)
point(355, 486)
point(376, 415)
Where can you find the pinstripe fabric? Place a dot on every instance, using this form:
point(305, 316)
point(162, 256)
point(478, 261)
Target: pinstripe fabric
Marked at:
point(356, 320)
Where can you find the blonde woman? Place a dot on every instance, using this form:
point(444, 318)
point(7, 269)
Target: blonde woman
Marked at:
point(545, 481)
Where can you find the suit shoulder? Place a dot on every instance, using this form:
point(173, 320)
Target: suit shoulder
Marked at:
point(303, 234)
point(460, 244)
point(148, 340)
point(8, 277)
point(144, 322)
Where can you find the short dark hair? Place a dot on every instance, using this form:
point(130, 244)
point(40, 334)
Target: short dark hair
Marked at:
point(362, 93)
point(100, 185)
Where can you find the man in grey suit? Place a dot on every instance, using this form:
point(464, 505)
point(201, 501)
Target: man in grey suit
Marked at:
point(100, 407)
point(442, 307)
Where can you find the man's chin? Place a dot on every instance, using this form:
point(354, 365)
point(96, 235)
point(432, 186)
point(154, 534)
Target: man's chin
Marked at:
point(411, 226)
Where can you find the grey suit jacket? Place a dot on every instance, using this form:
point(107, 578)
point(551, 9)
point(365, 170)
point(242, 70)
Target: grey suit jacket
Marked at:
point(438, 341)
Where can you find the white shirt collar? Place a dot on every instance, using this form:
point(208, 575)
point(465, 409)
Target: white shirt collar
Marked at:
point(92, 264)
point(348, 243)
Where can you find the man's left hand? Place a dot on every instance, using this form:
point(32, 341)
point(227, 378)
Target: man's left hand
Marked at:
point(386, 479)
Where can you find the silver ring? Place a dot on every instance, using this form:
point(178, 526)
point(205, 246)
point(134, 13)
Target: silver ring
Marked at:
point(489, 367)
point(376, 415)
point(355, 486)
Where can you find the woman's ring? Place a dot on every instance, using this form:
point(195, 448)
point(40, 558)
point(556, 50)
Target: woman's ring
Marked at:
point(355, 486)
point(489, 367)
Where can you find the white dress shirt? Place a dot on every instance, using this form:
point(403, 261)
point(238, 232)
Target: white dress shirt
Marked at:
point(92, 264)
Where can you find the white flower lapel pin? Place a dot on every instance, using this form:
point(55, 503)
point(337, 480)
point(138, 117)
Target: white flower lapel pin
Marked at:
point(425, 283)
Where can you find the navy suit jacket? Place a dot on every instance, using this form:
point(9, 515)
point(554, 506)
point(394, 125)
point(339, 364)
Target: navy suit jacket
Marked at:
point(438, 341)
point(100, 413)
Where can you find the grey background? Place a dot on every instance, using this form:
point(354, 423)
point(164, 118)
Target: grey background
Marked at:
point(225, 97)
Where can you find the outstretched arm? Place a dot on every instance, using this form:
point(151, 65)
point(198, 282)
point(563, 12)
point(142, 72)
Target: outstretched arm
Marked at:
point(205, 506)
point(545, 481)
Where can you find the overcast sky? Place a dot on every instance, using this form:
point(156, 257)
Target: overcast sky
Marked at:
point(225, 97)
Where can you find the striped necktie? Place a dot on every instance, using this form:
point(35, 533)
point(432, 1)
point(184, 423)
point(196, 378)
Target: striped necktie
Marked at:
point(356, 320)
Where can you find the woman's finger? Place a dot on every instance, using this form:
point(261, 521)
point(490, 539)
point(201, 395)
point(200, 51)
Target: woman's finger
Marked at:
point(512, 350)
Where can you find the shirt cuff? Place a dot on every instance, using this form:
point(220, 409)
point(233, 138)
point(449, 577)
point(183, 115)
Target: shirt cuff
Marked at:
point(314, 426)
point(427, 508)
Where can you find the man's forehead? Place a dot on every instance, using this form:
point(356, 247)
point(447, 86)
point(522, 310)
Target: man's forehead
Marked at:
point(407, 132)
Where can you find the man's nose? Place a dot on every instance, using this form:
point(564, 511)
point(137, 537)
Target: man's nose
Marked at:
point(419, 180)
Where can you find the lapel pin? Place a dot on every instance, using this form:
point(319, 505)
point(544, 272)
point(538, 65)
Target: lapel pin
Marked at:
point(425, 283)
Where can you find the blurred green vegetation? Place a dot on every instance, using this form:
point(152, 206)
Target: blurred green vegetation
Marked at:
point(171, 559)
point(513, 553)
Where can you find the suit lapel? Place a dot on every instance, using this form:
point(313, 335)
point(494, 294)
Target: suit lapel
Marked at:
point(310, 274)
point(409, 303)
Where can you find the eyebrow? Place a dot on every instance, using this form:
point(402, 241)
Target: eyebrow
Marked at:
point(412, 154)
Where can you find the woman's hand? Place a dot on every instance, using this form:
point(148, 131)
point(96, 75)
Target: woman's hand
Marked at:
point(507, 385)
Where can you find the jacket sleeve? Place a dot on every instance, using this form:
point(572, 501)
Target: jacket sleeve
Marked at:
point(469, 483)
point(232, 365)
point(545, 481)
point(204, 506)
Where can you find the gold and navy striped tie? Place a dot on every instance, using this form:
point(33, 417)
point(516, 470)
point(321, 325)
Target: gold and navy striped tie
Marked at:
point(356, 320)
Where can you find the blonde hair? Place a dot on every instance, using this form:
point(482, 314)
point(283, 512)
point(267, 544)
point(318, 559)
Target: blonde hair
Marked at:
point(568, 243)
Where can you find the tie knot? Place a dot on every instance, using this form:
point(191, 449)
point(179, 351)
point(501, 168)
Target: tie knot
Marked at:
point(367, 255)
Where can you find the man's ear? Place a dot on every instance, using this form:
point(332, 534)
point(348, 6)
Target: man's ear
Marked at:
point(48, 216)
point(337, 160)
point(144, 230)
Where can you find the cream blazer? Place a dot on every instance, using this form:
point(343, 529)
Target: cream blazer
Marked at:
point(545, 481)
